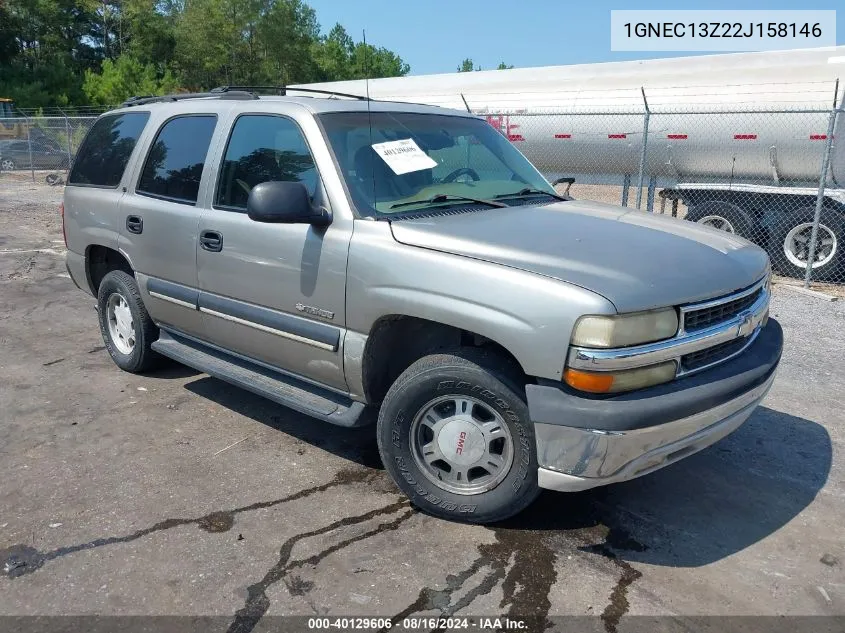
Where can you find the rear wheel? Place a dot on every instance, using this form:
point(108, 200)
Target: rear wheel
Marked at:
point(125, 325)
point(723, 216)
point(789, 245)
point(454, 433)
point(7, 164)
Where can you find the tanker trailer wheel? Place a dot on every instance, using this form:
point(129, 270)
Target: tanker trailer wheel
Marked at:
point(789, 246)
point(723, 216)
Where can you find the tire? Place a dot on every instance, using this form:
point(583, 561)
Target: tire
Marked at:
point(423, 399)
point(790, 243)
point(726, 217)
point(7, 164)
point(118, 297)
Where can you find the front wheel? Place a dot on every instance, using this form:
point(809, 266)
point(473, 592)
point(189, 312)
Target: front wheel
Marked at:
point(7, 164)
point(454, 433)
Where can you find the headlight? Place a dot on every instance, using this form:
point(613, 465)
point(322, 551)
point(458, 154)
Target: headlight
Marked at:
point(625, 329)
point(614, 382)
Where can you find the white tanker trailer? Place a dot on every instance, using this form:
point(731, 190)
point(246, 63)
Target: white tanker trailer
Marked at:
point(737, 138)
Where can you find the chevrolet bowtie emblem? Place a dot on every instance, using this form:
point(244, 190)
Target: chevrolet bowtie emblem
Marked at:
point(746, 324)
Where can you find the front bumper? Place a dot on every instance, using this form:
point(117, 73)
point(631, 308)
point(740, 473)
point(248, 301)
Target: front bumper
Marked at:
point(584, 441)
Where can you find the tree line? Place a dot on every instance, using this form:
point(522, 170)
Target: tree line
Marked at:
point(468, 66)
point(100, 52)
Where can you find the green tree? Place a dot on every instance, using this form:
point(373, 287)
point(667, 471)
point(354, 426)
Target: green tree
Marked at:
point(333, 54)
point(339, 57)
point(149, 32)
point(207, 39)
point(123, 78)
point(60, 52)
point(46, 45)
point(467, 66)
point(287, 34)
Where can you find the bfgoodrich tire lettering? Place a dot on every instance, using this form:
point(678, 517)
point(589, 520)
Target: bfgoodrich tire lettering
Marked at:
point(478, 376)
point(120, 289)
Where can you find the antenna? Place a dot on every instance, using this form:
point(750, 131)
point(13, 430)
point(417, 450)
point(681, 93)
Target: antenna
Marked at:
point(369, 113)
point(463, 98)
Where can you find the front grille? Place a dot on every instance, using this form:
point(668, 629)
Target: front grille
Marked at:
point(696, 320)
point(714, 354)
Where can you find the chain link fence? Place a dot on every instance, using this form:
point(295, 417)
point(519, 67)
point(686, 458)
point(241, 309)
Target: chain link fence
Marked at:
point(773, 176)
point(39, 149)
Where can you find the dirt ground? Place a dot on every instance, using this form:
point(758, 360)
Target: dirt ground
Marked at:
point(175, 494)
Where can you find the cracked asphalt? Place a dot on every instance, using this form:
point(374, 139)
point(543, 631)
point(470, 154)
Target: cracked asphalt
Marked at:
point(175, 494)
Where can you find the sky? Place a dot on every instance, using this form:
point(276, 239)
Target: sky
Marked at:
point(434, 36)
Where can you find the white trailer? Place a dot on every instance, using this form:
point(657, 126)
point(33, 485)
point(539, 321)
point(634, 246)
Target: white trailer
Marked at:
point(738, 138)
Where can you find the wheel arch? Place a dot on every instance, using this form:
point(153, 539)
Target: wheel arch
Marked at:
point(396, 341)
point(101, 260)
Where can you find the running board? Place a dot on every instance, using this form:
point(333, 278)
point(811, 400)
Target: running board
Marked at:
point(273, 385)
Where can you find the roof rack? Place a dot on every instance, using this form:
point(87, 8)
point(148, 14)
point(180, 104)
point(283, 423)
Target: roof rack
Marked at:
point(216, 93)
point(234, 92)
point(282, 91)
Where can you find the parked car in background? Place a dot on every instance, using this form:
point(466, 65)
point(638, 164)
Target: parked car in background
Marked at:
point(32, 155)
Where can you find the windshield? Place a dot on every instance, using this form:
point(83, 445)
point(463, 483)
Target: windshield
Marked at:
point(412, 162)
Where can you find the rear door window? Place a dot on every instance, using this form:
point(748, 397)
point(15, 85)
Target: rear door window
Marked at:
point(105, 152)
point(176, 159)
point(262, 148)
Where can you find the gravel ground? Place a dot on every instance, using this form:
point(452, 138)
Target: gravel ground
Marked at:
point(173, 493)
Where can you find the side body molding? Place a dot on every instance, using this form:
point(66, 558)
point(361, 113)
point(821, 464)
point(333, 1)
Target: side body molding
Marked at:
point(285, 325)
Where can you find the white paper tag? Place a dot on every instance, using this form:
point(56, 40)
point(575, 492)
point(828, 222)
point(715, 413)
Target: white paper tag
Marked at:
point(404, 156)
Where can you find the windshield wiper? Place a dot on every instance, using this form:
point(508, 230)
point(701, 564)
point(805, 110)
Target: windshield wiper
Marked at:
point(530, 191)
point(447, 197)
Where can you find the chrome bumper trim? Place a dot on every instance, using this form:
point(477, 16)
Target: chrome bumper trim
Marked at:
point(577, 459)
point(745, 324)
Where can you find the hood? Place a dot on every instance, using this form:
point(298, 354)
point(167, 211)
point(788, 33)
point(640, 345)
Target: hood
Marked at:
point(636, 260)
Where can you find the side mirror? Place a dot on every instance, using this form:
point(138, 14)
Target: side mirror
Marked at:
point(284, 203)
point(564, 181)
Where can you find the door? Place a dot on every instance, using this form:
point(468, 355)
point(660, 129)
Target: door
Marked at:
point(272, 292)
point(159, 221)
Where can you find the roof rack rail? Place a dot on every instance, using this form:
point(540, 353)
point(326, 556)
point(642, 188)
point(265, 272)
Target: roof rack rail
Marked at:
point(282, 91)
point(218, 94)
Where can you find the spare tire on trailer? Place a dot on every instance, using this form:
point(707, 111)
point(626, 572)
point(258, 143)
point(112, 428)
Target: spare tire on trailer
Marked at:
point(789, 245)
point(725, 216)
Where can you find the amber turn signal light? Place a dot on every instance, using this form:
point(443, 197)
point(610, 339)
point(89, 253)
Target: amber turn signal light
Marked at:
point(588, 381)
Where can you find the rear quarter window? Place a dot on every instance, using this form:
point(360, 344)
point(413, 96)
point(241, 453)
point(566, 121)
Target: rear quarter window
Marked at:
point(105, 152)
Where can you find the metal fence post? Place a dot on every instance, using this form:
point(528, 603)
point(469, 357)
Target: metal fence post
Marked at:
point(645, 148)
point(29, 147)
point(69, 142)
point(828, 144)
point(652, 187)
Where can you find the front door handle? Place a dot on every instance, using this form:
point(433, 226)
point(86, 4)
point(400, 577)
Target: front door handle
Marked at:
point(211, 241)
point(135, 224)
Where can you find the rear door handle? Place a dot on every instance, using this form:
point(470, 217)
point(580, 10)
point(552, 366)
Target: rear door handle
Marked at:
point(211, 241)
point(135, 224)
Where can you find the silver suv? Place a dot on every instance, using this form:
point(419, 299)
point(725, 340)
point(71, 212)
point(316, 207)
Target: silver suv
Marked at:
point(360, 261)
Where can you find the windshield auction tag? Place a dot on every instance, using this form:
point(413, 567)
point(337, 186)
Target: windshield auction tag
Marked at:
point(404, 156)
